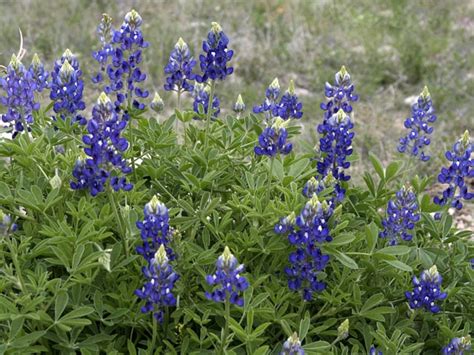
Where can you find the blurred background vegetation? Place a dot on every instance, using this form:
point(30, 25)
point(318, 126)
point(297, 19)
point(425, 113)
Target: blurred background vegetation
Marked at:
point(391, 48)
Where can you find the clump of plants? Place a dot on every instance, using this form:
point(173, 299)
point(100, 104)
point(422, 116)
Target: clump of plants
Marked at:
point(125, 231)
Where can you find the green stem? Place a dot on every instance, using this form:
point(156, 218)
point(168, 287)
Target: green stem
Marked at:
point(132, 145)
point(179, 109)
point(209, 112)
point(226, 325)
point(153, 339)
point(120, 221)
point(270, 178)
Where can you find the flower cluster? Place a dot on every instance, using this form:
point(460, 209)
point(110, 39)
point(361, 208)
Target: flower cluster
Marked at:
point(426, 291)
point(216, 56)
point(180, 68)
point(374, 351)
point(125, 50)
point(339, 95)
point(157, 291)
point(39, 74)
point(422, 114)
point(19, 85)
point(104, 30)
point(288, 106)
point(335, 146)
point(456, 175)
point(273, 139)
point(6, 224)
point(104, 148)
point(67, 87)
point(305, 232)
point(154, 229)
point(228, 280)
point(201, 98)
point(457, 346)
point(402, 215)
point(292, 346)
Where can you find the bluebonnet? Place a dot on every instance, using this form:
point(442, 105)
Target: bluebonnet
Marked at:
point(19, 87)
point(314, 186)
point(340, 95)
point(6, 224)
point(214, 61)
point(39, 74)
point(104, 148)
point(422, 114)
point(201, 97)
point(402, 215)
point(104, 30)
point(335, 146)
point(292, 346)
point(305, 232)
point(67, 88)
point(374, 351)
point(157, 103)
point(426, 291)
point(457, 346)
point(289, 106)
point(180, 68)
point(155, 229)
point(286, 107)
point(270, 104)
point(158, 290)
point(456, 175)
point(125, 54)
point(228, 280)
point(273, 139)
point(239, 105)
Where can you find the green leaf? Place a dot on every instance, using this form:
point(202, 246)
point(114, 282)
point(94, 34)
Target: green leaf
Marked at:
point(304, 326)
point(343, 258)
point(373, 301)
point(399, 265)
point(78, 313)
point(60, 304)
point(395, 250)
point(372, 234)
point(342, 239)
point(377, 165)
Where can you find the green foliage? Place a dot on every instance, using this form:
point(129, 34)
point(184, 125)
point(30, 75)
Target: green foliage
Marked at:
point(70, 270)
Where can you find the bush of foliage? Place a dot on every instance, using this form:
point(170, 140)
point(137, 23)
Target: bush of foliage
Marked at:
point(124, 231)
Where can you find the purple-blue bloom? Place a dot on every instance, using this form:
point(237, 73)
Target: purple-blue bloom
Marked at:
point(289, 106)
point(155, 229)
point(201, 97)
point(104, 148)
point(214, 61)
point(456, 175)
point(374, 351)
point(340, 95)
point(402, 215)
point(422, 114)
point(180, 68)
point(67, 88)
point(335, 146)
point(457, 346)
point(157, 290)
point(426, 291)
point(7, 226)
point(39, 74)
point(305, 232)
point(273, 139)
point(228, 281)
point(19, 86)
point(292, 346)
point(125, 53)
point(270, 104)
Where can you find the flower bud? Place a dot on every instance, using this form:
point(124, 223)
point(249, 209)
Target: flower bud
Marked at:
point(291, 88)
point(55, 181)
point(239, 105)
point(343, 330)
point(68, 55)
point(66, 71)
point(161, 258)
point(133, 18)
point(36, 62)
point(216, 28)
point(157, 103)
